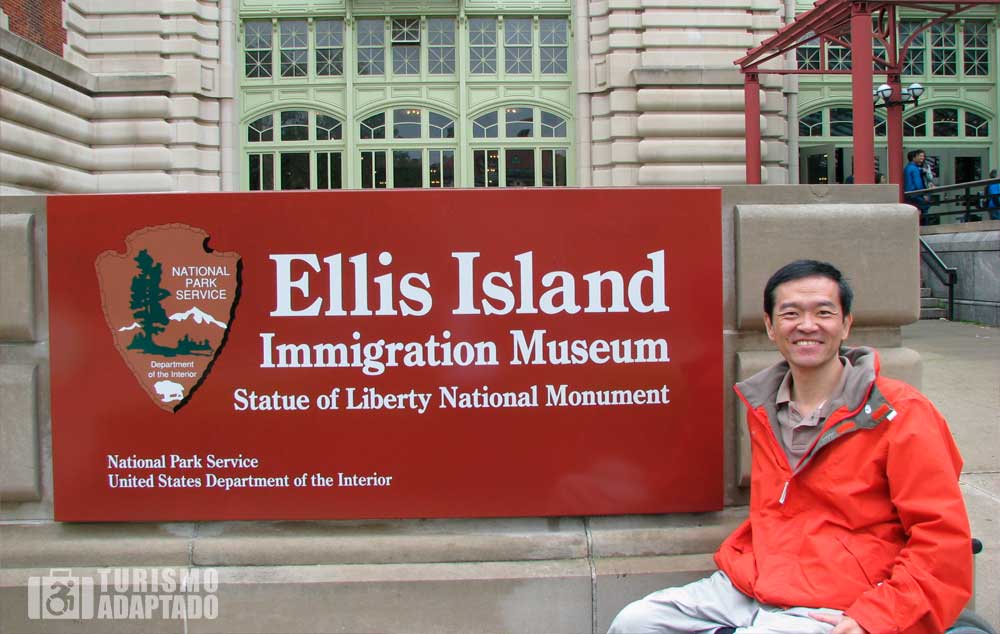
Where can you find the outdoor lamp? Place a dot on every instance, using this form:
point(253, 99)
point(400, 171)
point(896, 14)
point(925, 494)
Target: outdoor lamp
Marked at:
point(882, 96)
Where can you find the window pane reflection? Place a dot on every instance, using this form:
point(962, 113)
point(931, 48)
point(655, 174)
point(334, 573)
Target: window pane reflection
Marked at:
point(294, 170)
point(520, 166)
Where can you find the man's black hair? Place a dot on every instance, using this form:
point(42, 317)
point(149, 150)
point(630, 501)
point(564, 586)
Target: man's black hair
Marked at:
point(808, 268)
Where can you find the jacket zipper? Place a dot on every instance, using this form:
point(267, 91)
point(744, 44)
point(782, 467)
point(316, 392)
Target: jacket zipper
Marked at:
point(826, 427)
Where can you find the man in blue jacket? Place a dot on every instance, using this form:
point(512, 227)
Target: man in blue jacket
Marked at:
point(993, 197)
point(913, 179)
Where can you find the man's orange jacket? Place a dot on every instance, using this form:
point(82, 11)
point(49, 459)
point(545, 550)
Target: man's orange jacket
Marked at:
point(871, 521)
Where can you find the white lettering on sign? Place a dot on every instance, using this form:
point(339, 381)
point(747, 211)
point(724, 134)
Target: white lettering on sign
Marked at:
point(491, 293)
point(374, 357)
point(501, 292)
point(536, 350)
point(413, 287)
point(520, 290)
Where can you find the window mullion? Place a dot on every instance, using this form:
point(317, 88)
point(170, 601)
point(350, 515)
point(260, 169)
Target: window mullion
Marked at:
point(536, 54)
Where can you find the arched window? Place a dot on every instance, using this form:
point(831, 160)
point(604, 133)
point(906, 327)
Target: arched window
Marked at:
point(295, 149)
point(811, 124)
point(841, 121)
point(519, 146)
point(407, 147)
point(976, 126)
point(915, 124)
point(946, 122)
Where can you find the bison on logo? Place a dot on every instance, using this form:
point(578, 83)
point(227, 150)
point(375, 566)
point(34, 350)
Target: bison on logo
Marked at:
point(169, 301)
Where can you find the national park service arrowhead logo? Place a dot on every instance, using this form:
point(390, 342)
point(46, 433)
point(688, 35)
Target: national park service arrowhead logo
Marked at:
point(169, 301)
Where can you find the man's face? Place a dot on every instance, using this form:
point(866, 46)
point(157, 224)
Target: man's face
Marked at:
point(919, 157)
point(808, 324)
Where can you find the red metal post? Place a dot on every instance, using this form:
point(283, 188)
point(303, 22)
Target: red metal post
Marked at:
point(861, 82)
point(894, 125)
point(751, 98)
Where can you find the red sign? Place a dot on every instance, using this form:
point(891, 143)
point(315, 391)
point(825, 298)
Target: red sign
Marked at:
point(386, 354)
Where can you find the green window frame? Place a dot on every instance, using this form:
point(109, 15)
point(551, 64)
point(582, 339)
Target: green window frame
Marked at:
point(812, 124)
point(944, 49)
point(407, 147)
point(405, 50)
point(294, 148)
point(328, 53)
point(807, 55)
point(953, 48)
point(406, 47)
point(915, 124)
point(258, 36)
point(947, 122)
point(976, 126)
point(976, 48)
point(293, 36)
point(836, 122)
point(913, 62)
point(838, 57)
point(518, 46)
point(519, 145)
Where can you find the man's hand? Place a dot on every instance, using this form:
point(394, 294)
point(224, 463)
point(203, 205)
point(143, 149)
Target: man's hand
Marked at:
point(842, 624)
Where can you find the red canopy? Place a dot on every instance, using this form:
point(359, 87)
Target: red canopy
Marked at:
point(847, 23)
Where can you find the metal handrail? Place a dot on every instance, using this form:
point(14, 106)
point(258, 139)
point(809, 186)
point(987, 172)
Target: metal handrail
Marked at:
point(947, 274)
point(969, 199)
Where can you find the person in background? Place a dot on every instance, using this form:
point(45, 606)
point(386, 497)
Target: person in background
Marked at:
point(928, 174)
point(992, 197)
point(913, 179)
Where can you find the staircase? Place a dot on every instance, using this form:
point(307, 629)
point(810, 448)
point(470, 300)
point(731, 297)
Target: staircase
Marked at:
point(932, 307)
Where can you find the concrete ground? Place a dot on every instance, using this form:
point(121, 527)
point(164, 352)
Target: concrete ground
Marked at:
point(962, 377)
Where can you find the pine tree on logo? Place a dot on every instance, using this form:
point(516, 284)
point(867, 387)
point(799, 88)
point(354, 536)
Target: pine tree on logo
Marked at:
point(147, 295)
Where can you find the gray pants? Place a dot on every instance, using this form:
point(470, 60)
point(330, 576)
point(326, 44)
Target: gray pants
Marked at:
point(709, 605)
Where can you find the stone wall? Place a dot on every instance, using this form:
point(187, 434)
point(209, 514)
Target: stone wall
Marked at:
point(973, 249)
point(140, 102)
point(501, 575)
point(666, 99)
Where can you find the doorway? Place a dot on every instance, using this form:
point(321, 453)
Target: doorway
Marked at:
point(828, 164)
point(817, 165)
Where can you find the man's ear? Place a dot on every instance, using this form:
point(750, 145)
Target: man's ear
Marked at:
point(768, 326)
point(848, 322)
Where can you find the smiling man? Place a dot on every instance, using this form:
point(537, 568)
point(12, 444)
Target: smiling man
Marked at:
point(857, 524)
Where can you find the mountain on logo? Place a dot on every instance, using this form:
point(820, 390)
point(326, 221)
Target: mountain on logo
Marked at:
point(133, 326)
point(199, 316)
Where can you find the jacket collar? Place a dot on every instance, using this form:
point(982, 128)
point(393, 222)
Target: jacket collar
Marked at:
point(761, 389)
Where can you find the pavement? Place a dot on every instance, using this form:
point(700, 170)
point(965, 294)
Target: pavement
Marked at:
point(962, 377)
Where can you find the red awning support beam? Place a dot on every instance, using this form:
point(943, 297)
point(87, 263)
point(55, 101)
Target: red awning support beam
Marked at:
point(751, 99)
point(829, 21)
point(861, 94)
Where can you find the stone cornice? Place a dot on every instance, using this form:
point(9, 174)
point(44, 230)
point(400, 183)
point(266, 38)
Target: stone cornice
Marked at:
point(36, 58)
